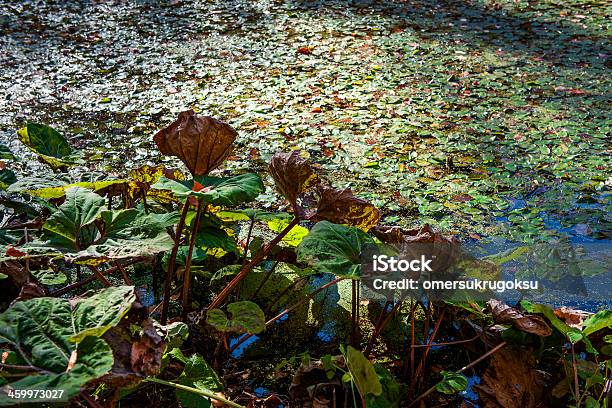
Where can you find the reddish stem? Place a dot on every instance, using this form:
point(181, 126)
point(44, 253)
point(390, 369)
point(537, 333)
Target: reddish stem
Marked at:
point(250, 265)
point(171, 263)
point(287, 310)
point(187, 274)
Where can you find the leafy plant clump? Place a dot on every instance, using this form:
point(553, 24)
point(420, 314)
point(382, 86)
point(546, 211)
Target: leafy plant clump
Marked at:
point(155, 284)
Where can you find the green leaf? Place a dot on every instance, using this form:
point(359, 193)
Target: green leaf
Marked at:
point(94, 360)
point(56, 188)
point(198, 374)
point(294, 237)
point(573, 334)
point(452, 383)
point(7, 177)
point(121, 248)
point(391, 396)
point(94, 315)
point(5, 153)
point(335, 249)
point(230, 191)
point(246, 317)
point(49, 277)
point(48, 143)
point(81, 208)
point(227, 191)
point(591, 402)
point(362, 372)
point(598, 321)
point(48, 333)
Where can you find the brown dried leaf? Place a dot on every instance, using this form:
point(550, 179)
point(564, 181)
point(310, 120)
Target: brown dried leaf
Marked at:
point(292, 175)
point(16, 271)
point(511, 381)
point(442, 249)
point(72, 360)
point(572, 317)
point(29, 290)
point(502, 313)
point(202, 143)
point(147, 351)
point(342, 207)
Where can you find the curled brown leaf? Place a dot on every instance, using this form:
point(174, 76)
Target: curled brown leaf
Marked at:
point(293, 176)
point(202, 143)
point(342, 207)
point(572, 317)
point(444, 250)
point(534, 324)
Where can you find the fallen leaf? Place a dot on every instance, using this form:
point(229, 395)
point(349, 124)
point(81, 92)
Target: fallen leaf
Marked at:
point(511, 381)
point(534, 324)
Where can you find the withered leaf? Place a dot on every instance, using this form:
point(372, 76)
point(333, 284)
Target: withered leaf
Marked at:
point(511, 381)
point(502, 313)
point(29, 290)
point(202, 143)
point(293, 175)
point(572, 317)
point(444, 250)
point(342, 207)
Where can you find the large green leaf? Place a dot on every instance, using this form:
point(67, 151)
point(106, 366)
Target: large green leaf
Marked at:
point(94, 360)
point(598, 321)
point(231, 191)
point(47, 333)
point(49, 277)
point(362, 372)
point(335, 249)
point(246, 317)
point(48, 143)
point(197, 374)
point(94, 315)
point(122, 248)
point(227, 191)
point(81, 208)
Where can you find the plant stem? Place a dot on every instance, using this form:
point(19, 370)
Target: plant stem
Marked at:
point(91, 278)
point(472, 364)
point(264, 281)
point(170, 272)
point(204, 393)
point(426, 352)
point(247, 267)
point(124, 273)
point(187, 274)
point(576, 383)
point(382, 322)
point(99, 276)
point(289, 309)
point(90, 400)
